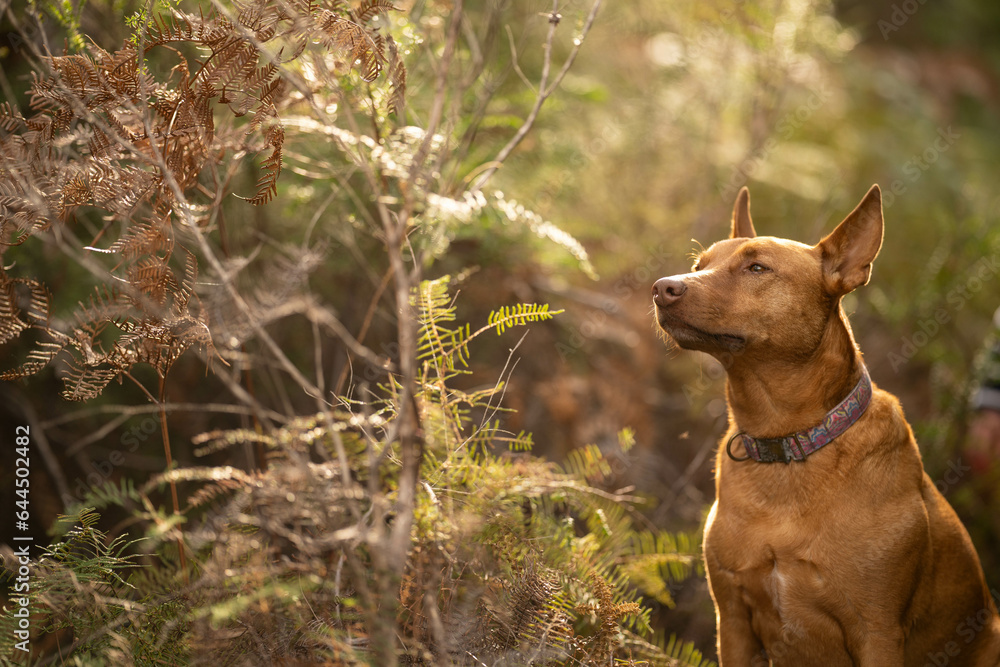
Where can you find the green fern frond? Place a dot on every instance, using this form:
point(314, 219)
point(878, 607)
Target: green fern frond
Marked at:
point(438, 345)
point(626, 439)
point(685, 652)
point(522, 442)
point(442, 347)
point(104, 495)
point(88, 553)
point(587, 463)
point(485, 438)
point(519, 315)
point(658, 558)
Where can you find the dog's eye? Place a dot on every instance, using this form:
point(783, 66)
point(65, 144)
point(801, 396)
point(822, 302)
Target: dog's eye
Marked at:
point(757, 268)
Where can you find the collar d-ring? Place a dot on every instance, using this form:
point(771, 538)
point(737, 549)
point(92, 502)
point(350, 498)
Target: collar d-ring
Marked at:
point(729, 447)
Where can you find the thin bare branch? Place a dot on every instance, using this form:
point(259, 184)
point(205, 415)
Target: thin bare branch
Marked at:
point(545, 87)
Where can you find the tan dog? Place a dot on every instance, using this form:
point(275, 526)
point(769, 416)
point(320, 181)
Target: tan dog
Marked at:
point(828, 545)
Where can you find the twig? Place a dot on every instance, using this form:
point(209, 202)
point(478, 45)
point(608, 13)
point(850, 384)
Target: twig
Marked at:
point(411, 443)
point(440, 95)
point(39, 438)
point(134, 410)
point(173, 485)
point(365, 324)
point(514, 63)
point(545, 89)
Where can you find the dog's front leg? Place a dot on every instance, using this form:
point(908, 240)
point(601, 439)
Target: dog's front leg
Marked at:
point(881, 647)
point(737, 644)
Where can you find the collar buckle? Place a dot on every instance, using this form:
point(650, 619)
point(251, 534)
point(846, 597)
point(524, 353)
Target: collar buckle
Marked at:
point(774, 450)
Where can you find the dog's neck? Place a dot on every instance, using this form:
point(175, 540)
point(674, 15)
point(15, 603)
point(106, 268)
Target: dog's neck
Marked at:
point(769, 398)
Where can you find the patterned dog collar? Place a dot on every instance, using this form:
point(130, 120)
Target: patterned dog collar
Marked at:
point(798, 446)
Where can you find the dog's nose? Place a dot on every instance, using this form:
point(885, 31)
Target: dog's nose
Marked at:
point(668, 290)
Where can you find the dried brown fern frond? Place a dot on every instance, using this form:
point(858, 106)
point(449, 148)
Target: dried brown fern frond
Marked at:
point(234, 61)
point(262, 79)
point(104, 130)
point(369, 9)
point(174, 27)
point(158, 343)
point(24, 305)
point(212, 492)
point(11, 324)
point(148, 136)
point(103, 306)
point(267, 184)
point(143, 238)
point(215, 441)
point(16, 317)
point(121, 190)
point(84, 383)
point(10, 118)
point(24, 210)
point(182, 296)
point(149, 329)
point(37, 359)
point(364, 48)
point(519, 612)
point(600, 647)
point(397, 78)
point(75, 192)
point(153, 277)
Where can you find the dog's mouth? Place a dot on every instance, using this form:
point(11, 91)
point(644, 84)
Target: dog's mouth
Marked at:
point(691, 337)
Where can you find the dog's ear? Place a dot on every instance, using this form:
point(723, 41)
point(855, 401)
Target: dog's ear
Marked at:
point(849, 250)
point(742, 224)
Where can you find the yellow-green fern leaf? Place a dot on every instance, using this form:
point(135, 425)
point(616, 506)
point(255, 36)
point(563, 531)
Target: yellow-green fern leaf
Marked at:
point(519, 315)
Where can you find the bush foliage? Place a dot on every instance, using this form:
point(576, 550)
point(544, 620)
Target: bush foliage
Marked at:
point(388, 515)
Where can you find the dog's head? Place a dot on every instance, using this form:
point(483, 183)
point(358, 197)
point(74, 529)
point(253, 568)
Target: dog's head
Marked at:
point(767, 297)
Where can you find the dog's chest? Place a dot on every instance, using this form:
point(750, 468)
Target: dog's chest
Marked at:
point(776, 582)
point(783, 576)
